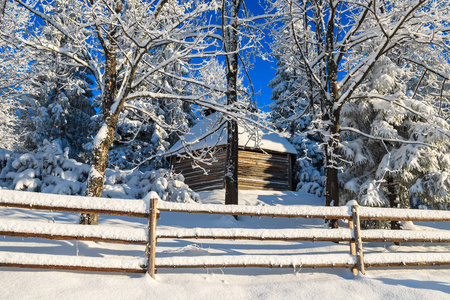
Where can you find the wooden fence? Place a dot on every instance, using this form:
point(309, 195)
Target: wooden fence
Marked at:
point(356, 260)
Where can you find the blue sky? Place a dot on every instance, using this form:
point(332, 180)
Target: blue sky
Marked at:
point(263, 71)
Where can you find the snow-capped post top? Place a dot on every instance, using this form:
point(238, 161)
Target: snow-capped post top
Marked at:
point(151, 195)
point(350, 205)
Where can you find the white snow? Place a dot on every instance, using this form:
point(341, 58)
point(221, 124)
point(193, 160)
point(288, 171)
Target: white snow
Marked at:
point(305, 210)
point(101, 136)
point(259, 139)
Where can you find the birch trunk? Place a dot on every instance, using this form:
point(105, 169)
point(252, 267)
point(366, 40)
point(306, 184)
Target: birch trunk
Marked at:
point(105, 137)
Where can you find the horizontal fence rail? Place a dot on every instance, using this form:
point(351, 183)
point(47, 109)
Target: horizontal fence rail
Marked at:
point(149, 209)
point(140, 208)
point(74, 204)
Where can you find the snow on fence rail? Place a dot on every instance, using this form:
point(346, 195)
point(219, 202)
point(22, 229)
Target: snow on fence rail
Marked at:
point(140, 208)
point(147, 209)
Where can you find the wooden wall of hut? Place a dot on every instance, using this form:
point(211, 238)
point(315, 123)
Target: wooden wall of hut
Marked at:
point(256, 171)
point(196, 178)
point(263, 171)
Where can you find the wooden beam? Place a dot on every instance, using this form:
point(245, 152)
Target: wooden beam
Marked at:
point(69, 237)
point(412, 218)
point(72, 268)
point(151, 246)
point(254, 238)
point(408, 264)
point(235, 265)
point(358, 240)
point(75, 210)
point(351, 225)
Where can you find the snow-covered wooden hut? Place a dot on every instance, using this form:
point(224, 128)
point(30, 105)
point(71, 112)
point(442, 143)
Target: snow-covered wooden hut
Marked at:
point(265, 160)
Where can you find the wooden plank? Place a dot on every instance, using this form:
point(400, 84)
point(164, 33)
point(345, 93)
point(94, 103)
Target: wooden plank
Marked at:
point(254, 238)
point(203, 178)
point(206, 210)
point(190, 164)
point(248, 153)
point(408, 264)
point(75, 210)
point(265, 188)
point(351, 225)
point(412, 218)
point(69, 237)
point(207, 185)
point(197, 181)
point(263, 185)
point(258, 171)
point(437, 239)
point(210, 187)
point(71, 268)
point(262, 177)
point(151, 245)
point(265, 163)
point(249, 182)
point(198, 172)
point(358, 240)
point(290, 173)
point(261, 265)
point(261, 158)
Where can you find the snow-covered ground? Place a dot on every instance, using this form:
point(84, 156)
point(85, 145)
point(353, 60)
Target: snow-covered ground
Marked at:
point(225, 283)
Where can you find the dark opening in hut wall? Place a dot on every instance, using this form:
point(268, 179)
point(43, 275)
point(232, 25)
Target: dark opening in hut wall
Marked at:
point(256, 170)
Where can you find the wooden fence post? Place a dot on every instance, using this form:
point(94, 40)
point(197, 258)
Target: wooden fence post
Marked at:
point(151, 244)
point(358, 240)
point(351, 225)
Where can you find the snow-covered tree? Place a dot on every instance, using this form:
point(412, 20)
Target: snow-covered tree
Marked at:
point(138, 136)
point(338, 45)
point(49, 170)
point(123, 45)
point(291, 112)
point(389, 109)
point(58, 105)
point(15, 71)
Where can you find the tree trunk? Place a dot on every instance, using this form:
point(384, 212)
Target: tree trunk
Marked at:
point(331, 173)
point(105, 137)
point(331, 117)
point(231, 165)
point(2, 9)
point(231, 47)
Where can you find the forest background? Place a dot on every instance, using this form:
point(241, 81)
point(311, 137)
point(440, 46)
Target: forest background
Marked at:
point(94, 93)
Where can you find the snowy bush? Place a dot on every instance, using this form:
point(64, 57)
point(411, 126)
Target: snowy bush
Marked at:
point(49, 170)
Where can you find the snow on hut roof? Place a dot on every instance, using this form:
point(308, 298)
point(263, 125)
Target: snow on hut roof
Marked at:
point(211, 132)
